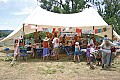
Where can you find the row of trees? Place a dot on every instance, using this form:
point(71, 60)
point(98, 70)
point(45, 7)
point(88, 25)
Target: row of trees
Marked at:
point(3, 34)
point(108, 9)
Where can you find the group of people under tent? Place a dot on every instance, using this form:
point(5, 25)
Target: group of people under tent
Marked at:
point(100, 53)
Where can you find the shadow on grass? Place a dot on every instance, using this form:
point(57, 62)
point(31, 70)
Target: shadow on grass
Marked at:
point(109, 69)
point(63, 58)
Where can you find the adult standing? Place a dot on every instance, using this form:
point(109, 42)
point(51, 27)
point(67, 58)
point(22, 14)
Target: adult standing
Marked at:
point(106, 51)
point(56, 46)
point(40, 41)
point(45, 48)
point(63, 39)
point(75, 38)
point(92, 40)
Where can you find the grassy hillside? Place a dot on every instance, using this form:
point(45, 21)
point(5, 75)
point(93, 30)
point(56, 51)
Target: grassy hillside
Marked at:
point(4, 33)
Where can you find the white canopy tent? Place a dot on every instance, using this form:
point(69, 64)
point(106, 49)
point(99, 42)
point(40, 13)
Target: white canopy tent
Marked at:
point(89, 17)
point(41, 17)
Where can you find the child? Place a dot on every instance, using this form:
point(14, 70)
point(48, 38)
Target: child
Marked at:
point(98, 57)
point(92, 56)
point(88, 54)
point(77, 50)
point(16, 51)
point(113, 50)
point(30, 49)
point(37, 46)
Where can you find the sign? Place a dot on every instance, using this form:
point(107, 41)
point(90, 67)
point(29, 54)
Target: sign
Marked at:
point(87, 31)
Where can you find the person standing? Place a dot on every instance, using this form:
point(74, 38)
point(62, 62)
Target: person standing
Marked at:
point(56, 47)
point(92, 55)
point(40, 41)
point(45, 48)
point(88, 54)
point(63, 39)
point(77, 51)
point(16, 51)
point(75, 38)
point(92, 40)
point(106, 51)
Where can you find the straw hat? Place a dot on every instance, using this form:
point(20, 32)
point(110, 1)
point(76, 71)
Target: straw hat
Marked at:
point(46, 39)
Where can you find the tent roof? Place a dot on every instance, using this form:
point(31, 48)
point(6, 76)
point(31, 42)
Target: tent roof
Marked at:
point(89, 17)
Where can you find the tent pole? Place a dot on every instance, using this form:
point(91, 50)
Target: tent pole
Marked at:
point(23, 35)
point(36, 28)
point(93, 31)
point(112, 32)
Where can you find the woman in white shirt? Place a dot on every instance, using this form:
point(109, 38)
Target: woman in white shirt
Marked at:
point(56, 47)
point(106, 51)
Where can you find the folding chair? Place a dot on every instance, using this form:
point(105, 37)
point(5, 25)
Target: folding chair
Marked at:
point(23, 53)
point(6, 50)
point(38, 52)
point(68, 51)
point(29, 51)
point(8, 54)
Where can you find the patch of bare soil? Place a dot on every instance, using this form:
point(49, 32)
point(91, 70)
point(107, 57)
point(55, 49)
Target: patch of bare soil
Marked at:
point(35, 69)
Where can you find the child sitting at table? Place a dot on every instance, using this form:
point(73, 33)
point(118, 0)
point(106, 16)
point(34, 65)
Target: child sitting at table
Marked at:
point(77, 51)
point(30, 49)
point(37, 46)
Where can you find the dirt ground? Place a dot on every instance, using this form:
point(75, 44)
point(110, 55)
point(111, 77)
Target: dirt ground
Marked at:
point(35, 69)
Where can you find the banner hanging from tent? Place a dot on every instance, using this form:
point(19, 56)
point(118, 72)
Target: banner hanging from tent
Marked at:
point(100, 30)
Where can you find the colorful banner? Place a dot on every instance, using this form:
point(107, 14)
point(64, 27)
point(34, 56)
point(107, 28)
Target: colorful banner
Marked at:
point(53, 30)
point(96, 31)
point(69, 29)
point(45, 29)
point(78, 30)
point(50, 30)
point(99, 31)
point(39, 29)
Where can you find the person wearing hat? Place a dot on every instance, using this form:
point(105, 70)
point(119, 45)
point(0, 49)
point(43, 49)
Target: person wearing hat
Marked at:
point(106, 51)
point(45, 48)
point(77, 51)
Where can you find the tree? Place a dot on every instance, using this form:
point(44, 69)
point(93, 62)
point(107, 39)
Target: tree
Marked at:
point(63, 6)
point(110, 11)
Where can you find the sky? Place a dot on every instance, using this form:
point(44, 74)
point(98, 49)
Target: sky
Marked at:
point(14, 12)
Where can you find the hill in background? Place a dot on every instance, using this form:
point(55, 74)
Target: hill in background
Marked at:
point(5, 33)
